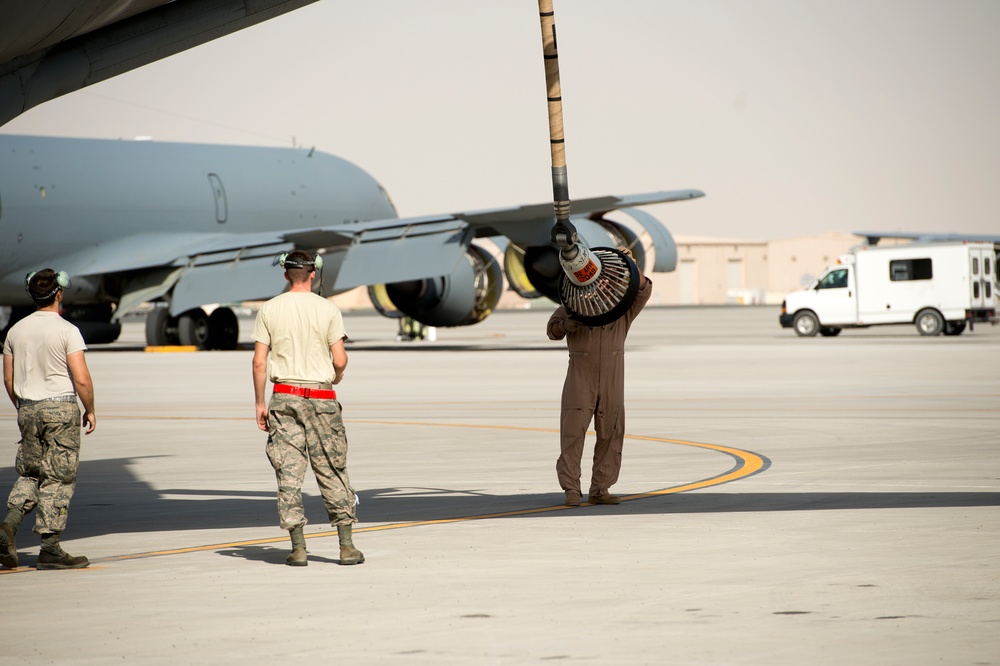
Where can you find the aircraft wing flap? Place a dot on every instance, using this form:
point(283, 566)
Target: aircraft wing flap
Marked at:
point(379, 252)
point(404, 252)
point(531, 224)
point(374, 231)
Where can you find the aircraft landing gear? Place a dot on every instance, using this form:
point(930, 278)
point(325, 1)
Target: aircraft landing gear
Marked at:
point(193, 327)
point(161, 328)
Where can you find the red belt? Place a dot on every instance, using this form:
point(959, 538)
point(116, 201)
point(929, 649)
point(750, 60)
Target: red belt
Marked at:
point(305, 392)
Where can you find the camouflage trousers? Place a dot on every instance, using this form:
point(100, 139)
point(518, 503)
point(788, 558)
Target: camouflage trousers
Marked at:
point(48, 456)
point(308, 432)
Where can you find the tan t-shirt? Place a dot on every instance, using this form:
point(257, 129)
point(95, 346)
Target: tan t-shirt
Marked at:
point(39, 345)
point(300, 328)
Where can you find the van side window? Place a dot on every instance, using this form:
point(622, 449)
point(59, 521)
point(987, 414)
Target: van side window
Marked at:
point(834, 280)
point(902, 270)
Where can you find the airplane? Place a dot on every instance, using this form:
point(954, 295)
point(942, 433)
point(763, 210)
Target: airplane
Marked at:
point(187, 225)
point(48, 49)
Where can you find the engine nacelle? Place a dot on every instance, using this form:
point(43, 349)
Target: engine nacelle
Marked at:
point(467, 296)
point(535, 270)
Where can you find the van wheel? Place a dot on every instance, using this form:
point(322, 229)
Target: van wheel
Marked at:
point(829, 331)
point(930, 322)
point(805, 324)
point(954, 327)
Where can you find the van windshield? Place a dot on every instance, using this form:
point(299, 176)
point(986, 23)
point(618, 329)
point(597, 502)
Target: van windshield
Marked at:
point(834, 280)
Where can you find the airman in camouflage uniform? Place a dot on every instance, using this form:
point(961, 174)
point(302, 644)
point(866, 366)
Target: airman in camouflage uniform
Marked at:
point(299, 343)
point(305, 431)
point(44, 372)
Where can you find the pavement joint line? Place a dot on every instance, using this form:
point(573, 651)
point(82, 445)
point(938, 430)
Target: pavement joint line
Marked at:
point(747, 464)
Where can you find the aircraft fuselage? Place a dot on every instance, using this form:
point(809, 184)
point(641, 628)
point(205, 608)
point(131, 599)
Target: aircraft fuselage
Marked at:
point(65, 203)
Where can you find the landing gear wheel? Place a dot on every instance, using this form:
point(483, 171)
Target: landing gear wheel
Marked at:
point(161, 328)
point(806, 324)
point(224, 329)
point(192, 328)
point(930, 322)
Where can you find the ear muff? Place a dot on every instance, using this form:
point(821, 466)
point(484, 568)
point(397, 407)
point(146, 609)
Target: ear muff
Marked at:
point(62, 282)
point(280, 260)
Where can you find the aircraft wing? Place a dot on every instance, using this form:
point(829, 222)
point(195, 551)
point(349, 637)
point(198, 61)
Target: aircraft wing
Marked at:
point(50, 48)
point(229, 267)
point(530, 225)
point(234, 267)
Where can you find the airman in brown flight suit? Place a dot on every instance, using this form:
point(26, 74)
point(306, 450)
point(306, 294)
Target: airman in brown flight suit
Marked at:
point(594, 389)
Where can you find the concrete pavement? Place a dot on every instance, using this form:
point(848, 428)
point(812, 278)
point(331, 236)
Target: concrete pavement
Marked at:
point(789, 501)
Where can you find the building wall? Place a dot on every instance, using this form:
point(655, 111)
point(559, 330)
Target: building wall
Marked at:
point(793, 263)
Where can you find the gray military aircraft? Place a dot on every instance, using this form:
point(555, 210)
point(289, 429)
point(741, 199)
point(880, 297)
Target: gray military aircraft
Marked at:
point(188, 225)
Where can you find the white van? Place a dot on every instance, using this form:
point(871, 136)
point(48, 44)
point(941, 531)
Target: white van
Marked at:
point(939, 287)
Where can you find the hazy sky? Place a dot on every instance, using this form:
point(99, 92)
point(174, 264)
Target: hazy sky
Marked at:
point(796, 117)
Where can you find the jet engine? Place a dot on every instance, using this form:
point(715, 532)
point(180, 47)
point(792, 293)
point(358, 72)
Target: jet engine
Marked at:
point(466, 296)
point(535, 270)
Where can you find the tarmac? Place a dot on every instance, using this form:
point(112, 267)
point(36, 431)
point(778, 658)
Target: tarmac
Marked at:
point(821, 501)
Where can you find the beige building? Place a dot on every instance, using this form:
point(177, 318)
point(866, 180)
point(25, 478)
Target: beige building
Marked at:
point(714, 271)
point(717, 271)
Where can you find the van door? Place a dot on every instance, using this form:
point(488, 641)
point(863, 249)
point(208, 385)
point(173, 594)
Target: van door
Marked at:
point(981, 277)
point(836, 301)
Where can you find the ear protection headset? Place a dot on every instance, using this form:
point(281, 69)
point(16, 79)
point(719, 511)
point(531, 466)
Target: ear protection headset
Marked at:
point(62, 282)
point(316, 263)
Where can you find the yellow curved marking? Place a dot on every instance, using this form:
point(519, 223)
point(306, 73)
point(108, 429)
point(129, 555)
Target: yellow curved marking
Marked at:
point(748, 464)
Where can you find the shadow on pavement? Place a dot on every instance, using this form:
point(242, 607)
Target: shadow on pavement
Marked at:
point(111, 500)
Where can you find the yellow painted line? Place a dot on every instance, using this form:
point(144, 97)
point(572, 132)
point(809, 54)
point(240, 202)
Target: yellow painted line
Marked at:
point(171, 348)
point(747, 464)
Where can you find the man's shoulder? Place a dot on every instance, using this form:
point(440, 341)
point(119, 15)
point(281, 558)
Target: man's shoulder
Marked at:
point(37, 322)
point(299, 300)
point(42, 319)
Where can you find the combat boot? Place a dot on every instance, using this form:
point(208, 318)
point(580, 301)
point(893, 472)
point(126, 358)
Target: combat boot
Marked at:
point(348, 553)
point(297, 558)
point(604, 498)
point(8, 547)
point(52, 556)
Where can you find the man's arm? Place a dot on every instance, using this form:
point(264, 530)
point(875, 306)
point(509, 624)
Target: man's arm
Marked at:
point(260, 352)
point(560, 323)
point(84, 388)
point(339, 359)
point(8, 377)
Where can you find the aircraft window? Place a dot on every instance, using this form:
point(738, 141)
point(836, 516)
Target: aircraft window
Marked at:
point(834, 280)
point(986, 266)
point(902, 270)
point(975, 265)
